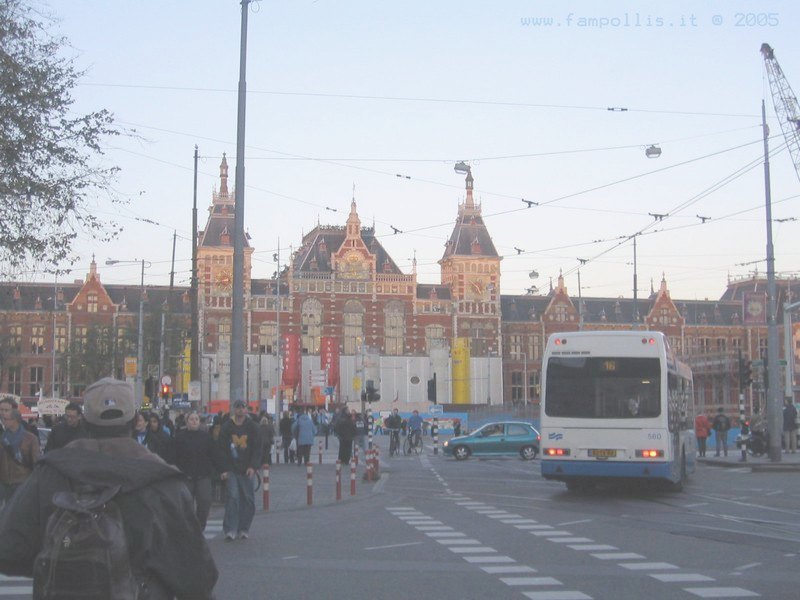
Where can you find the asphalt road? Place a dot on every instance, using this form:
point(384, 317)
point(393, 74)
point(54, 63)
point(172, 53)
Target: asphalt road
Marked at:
point(434, 527)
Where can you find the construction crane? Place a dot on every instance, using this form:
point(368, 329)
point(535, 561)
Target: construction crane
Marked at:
point(786, 107)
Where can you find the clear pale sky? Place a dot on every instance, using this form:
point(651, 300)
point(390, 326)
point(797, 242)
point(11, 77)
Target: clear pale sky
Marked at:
point(350, 94)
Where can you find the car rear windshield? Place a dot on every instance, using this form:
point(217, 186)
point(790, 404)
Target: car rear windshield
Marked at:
point(603, 388)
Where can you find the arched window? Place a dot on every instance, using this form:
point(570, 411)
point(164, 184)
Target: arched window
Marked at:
point(394, 328)
point(434, 337)
point(353, 326)
point(311, 325)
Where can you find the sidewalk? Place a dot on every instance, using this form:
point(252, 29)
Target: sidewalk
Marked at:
point(788, 463)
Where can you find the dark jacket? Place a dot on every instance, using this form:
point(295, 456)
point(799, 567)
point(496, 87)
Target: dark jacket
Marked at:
point(789, 417)
point(285, 426)
point(194, 453)
point(239, 446)
point(164, 538)
point(345, 429)
point(62, 434)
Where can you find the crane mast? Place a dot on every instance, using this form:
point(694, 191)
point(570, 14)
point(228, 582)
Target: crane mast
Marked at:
point(786, 107)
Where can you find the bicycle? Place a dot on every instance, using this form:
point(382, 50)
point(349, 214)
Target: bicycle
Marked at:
point(413, 443)
point(394, 441)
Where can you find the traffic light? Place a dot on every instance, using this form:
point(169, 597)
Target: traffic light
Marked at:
point(432, 389)
point(165, 390)
point(747, 372)
point(372, 394)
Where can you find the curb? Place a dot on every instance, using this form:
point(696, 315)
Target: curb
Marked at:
point(780, 467)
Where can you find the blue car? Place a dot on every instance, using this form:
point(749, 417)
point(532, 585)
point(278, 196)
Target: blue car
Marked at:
point(503, 438)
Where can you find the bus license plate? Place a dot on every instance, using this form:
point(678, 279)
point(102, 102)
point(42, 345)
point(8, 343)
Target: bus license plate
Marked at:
point(602, 453)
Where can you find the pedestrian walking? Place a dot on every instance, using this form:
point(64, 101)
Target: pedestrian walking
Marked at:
point(702, 429)
point(267, 432)
point(346, 432)
point(304, 430)
point(19, 452)
point(721, 425)
point(68, 429)
point(157, 440)
point(240, 451)
point(285, 430)
point(789, 427)
point(195, 457)
point(167, 552)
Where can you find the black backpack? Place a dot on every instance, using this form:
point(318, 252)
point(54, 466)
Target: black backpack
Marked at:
point(84, 551)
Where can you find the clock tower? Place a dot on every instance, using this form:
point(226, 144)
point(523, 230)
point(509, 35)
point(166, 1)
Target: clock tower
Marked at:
point(470, 266)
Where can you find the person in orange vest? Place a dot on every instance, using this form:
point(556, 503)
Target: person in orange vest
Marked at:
point(702, 429)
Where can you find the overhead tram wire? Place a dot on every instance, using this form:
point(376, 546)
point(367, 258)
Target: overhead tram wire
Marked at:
point(416, 99)
point(713, 188)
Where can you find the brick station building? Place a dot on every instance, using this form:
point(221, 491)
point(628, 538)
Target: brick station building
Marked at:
point(340, 314)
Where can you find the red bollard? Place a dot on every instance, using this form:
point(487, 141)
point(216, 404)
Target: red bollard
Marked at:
point(265, 485)
point(338, 479)
point(278, 453)
point(352, 478)
point(355, 452)
point(320, 451)
point(368, 464)
point(309, 484)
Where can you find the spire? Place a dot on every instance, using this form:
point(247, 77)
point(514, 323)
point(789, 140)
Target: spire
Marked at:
point(469, 208)
point(223, 176)
point(353, 222)
point(92, 269)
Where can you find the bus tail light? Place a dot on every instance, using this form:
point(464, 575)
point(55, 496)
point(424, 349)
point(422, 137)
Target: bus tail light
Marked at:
point(649, 454)
point(556, 451)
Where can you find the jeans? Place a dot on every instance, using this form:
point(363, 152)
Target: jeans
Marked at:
point(201, 492)
point(303, 454)
point(701, 446)
point(240, 504)
point(721, 438)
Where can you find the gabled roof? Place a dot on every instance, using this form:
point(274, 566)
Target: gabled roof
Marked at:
point(220, 227)
point(470, 236)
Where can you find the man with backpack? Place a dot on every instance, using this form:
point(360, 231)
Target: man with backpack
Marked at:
point(721, 425)
point(106, 518)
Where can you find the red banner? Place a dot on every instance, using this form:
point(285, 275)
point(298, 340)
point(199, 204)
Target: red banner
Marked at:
point(291, 357)
point(329, 359)
point(755, 308)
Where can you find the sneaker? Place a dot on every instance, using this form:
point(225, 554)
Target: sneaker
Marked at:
point(243, 535)
point(229, 537)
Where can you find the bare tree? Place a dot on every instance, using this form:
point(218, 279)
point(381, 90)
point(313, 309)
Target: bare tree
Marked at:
point(52, 169)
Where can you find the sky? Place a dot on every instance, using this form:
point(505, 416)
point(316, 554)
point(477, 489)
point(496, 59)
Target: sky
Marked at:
point(378, 100)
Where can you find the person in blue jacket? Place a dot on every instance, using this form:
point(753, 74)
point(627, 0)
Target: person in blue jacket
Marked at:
point(304, 431)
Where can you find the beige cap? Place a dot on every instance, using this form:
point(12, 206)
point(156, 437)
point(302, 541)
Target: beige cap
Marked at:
point(108, 402)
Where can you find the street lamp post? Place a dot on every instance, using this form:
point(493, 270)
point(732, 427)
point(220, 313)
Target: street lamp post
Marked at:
point(524, 375)
point(140, 344)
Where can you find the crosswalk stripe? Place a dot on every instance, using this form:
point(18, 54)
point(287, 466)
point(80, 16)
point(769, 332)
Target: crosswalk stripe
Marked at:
point(16, 590)
point(721, 592)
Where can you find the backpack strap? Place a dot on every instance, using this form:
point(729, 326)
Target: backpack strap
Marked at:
point(85, 500)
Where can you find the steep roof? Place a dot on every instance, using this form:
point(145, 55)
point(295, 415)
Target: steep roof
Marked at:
point(470, 236)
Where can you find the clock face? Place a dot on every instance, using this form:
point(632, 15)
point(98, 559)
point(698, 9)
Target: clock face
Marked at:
point(224, 280)
point(755, 308)
point(476, 289)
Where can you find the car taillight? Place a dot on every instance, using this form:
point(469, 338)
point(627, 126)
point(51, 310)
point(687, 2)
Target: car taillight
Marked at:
point(556, 451)
point(649, 454)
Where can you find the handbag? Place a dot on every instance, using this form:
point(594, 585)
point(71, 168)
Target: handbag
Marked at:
point(293, 445)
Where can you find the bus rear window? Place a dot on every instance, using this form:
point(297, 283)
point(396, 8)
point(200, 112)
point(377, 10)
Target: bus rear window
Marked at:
point(603, 388)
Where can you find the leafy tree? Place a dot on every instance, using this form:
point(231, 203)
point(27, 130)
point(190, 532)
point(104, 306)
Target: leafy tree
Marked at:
point(51, 160)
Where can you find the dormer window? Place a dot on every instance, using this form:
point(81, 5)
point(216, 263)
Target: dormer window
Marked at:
point(91, 302)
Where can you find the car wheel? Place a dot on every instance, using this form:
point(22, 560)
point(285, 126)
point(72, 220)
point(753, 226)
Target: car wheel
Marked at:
point(461, 452)
point(528, 452)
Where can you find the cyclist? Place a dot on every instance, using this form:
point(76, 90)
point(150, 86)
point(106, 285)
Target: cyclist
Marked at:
point(415, 428)
point(392, 424)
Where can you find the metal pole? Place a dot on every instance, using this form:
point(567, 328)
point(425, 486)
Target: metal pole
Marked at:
point(278, 388)
point(237, 326)
point(194, 364)
point(525, 375)
point(788, 338)
point(580, 303)
point(774, 404)
point(55, 308)
point(140, 351)
point(635, 286)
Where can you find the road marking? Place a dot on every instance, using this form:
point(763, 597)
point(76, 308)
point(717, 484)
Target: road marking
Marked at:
point(533, 526)
point(518, 521)
point(593, 547)
point(489, 559)
point(408, 517)
point(617, 555)
point(16, 590)
point(392, 546)
point(646, 566)
point(680, 577)
point(504, 515)
point(721, 592)
point(553, 532)
point(444, 534)
point(401, 509)
point(568, 523)
point(750, 566)
point(509, 569)
point(470, 549)
point(433, 528)
point(571, 540)
point(459, 541)
point(530, 581)
point(556, 595)
point(695, 505)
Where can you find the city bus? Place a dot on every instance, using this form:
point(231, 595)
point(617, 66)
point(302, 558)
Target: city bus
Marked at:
point(616, 406)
